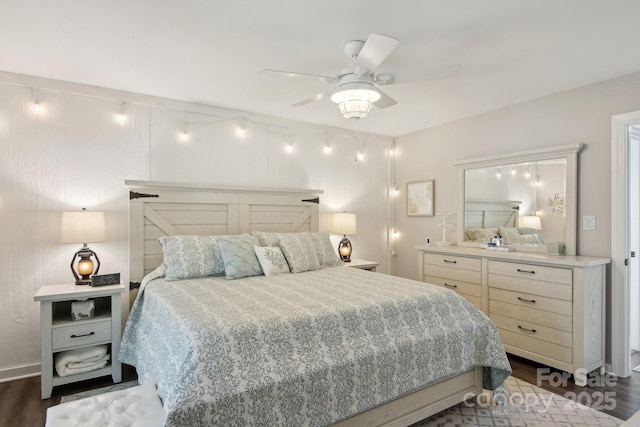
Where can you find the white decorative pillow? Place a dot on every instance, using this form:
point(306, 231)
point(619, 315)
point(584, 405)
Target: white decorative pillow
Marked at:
point(272, 260)
point(509, 235)
point(188, 257)
point(298, 249)
point(238, 255)
point(327, 255)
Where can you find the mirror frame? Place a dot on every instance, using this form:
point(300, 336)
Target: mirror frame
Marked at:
point(568, 152)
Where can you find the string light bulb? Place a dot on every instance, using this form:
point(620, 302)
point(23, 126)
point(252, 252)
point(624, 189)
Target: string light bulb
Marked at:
point(184, 136)
point(120, 115)
point(37, 107)
point(327, 145)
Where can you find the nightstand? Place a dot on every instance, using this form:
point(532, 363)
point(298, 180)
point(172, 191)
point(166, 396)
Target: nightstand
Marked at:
point(362, 264)
point(59, 333)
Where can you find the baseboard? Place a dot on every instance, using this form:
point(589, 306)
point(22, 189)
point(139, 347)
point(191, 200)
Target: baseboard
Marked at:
point(19, 373)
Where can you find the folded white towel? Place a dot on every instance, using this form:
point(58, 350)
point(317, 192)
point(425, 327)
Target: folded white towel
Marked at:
point(81, 360)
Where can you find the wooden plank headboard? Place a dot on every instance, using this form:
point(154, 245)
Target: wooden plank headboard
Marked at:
point(491, 213)
point(162, 209)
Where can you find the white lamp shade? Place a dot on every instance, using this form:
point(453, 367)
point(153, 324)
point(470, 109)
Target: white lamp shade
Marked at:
point(83, 227)
point(355, 99)
point(532, 222)
point(344, 223)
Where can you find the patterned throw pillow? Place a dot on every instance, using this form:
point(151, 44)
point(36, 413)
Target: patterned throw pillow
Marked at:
point(298, 249)
point(509, 235)
point(239, 257)
point(325, 251)
point(530, 239)
point(265, 238)
point(483, 234)
point(272, 260)
point(188, 257)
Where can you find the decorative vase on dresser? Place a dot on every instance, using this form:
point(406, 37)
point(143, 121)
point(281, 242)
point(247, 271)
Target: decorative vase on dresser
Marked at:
point(548, 308)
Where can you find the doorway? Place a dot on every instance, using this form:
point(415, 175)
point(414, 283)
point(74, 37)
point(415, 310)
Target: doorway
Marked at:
point(625, 238)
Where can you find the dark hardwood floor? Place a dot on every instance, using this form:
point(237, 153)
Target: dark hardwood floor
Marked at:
point(21, 406)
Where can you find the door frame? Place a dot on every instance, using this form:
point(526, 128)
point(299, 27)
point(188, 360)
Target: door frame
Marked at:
point(620, 289)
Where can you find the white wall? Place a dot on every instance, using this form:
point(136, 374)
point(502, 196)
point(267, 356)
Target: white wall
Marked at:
point(579, 115)
point(76, 154)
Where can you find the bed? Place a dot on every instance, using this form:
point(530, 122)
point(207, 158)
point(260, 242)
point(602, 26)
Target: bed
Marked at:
point(330, 345)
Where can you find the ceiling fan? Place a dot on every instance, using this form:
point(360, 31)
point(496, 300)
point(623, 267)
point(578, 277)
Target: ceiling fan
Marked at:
point(356, 89)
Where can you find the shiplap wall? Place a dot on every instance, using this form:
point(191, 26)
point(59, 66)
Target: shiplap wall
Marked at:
point(76, 154)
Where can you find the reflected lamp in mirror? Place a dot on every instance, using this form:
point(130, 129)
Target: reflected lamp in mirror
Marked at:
point(83, 227)
point(532, 222)
point(344, 223)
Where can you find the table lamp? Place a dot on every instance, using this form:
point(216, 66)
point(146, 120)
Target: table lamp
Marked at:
point(83, 227)
point(344, 223)
point(532, 222)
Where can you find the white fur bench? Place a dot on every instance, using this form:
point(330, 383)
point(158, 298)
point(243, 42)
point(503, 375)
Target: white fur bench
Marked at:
point(135, 406)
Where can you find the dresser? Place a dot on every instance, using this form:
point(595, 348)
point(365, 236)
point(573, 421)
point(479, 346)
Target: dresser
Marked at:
point(547, 308)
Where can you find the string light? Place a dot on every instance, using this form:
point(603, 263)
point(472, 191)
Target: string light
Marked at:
point(37, 107)
point(120, 115)
point(184, 136)
point(327, 145)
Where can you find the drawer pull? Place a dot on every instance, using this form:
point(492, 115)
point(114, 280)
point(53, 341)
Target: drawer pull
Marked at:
point(83, 335)
point(526, 271)
point(450, 286)
point(450, 261)
point(532, 301)
point(533, 331)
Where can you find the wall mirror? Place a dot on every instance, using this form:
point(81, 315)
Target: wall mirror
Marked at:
point(528, 198)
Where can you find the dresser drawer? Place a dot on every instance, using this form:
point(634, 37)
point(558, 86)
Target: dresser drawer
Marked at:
point(455, 285)
point(532, 272)
point(85, 333)
point(532, 301)
point(453, 268)
point(474, 264)
point(531, 315)
point(532, 330)
point(514, 342)
point(533, 287)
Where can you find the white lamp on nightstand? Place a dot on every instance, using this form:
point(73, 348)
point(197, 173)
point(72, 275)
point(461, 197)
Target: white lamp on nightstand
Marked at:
point(83, 227)
point(344, 223)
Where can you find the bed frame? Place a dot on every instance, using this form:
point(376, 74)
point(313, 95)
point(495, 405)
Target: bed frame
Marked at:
point(161, 209)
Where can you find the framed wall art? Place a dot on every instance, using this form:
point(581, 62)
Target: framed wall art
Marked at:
point(420, 198)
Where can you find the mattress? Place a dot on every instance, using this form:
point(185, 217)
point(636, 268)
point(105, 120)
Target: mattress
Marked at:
point(306, 349)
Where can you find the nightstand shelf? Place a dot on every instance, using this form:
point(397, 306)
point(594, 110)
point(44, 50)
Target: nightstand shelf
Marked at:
point(362, 264)
point(60, 333)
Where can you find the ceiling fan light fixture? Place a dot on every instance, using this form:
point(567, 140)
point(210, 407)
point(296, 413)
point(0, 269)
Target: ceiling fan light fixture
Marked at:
point(355, 103)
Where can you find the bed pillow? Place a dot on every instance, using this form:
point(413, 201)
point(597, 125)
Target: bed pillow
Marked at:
point(325, 252)
point(482, 234)
point(509, 235)
point(272, 260)
point(298, 249)
point(530, 239)
point(238, 255)
point(265, 238)
point(188, 257)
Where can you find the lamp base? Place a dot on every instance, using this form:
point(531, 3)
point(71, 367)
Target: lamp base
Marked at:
point(344, 249)
point(83, 282)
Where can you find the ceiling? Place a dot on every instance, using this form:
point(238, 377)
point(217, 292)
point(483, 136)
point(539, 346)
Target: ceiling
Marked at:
point(208, 51)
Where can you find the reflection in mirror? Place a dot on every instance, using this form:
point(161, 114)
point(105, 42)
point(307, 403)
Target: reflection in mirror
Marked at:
point(528, 198)
point(522, 203)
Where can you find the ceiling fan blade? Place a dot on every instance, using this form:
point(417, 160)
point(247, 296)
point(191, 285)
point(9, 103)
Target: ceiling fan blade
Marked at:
point(419, 75)
point(314, 98)
point(375, 50)
point(385, 100)
point(324, 79)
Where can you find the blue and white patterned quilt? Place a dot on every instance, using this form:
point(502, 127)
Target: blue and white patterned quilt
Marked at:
point(306, 349)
